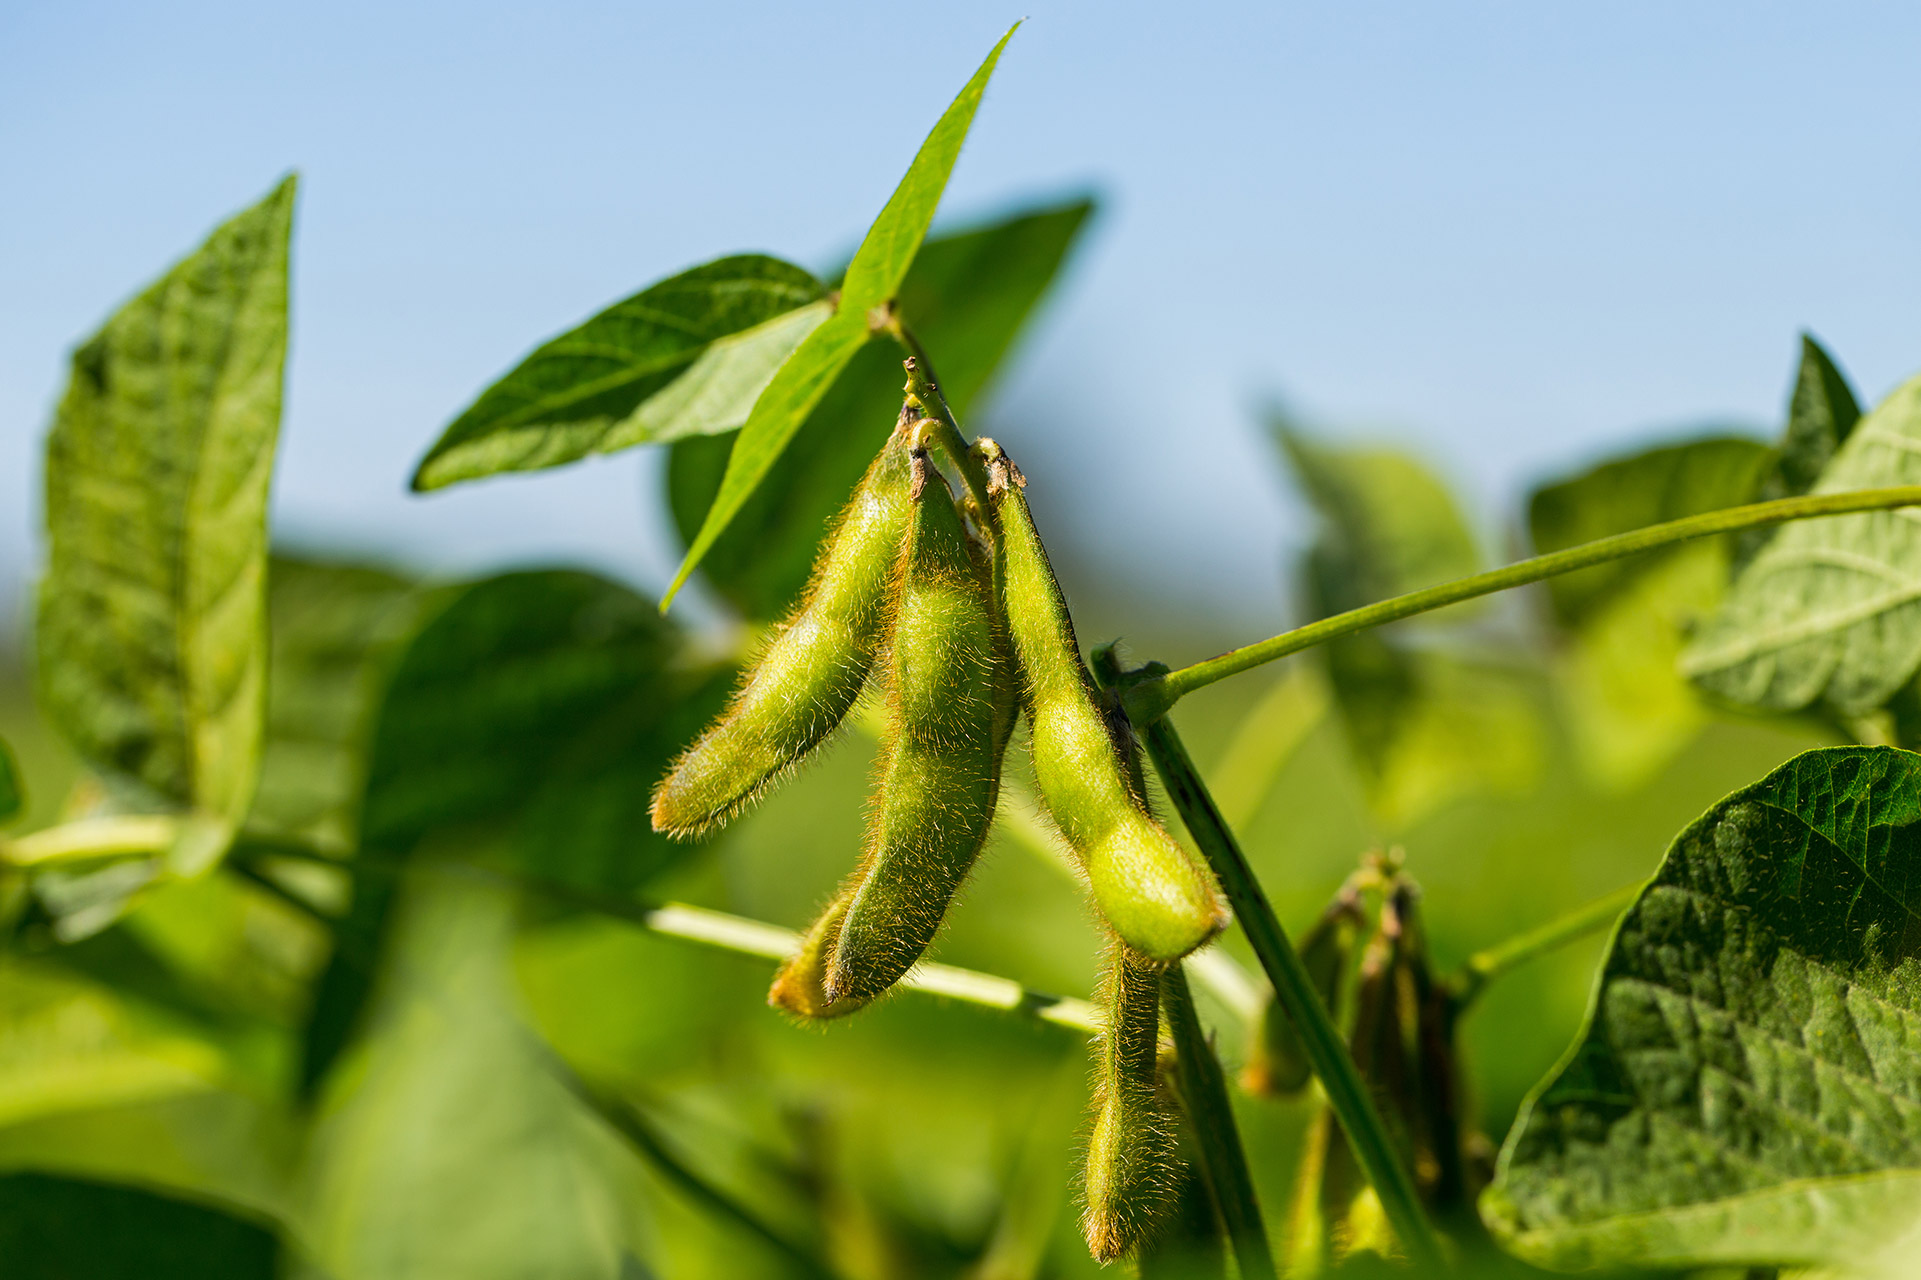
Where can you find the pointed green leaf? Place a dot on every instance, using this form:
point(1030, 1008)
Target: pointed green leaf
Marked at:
point(966, 297)
point(1746, 1089)
point(13, 796)
point(67, 1229)
point(1822, 412)
point(152, 626)
point(1830, 610)
point(873, 278)
point(686, 356)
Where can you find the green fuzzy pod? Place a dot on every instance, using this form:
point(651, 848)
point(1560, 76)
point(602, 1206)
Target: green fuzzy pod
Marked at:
point(800, 988)
point(812, 669)
point(951, 710)
point(1277, 1064)
point(1155, 895)
point(1132, 1165)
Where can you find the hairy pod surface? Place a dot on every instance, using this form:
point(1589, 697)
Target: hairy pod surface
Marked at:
point(1156, 896)
point(1132, 1163)
point(800, 988)
point(950, 683)
point(812, 668)
point(1277, 1063)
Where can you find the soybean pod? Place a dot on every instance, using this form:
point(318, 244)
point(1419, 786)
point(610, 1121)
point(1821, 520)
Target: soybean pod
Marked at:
point(951, 707)
point(812, 668)
point(1153, 893)
point(801, 985)
point(1133, 1166)
point(1277, 1063)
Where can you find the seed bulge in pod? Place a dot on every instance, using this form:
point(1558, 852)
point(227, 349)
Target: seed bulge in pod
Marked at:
point(812, 668)
point(1153, 893)
point(940, 762)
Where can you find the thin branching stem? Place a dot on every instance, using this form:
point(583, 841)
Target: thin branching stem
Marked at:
point(1347, 1096)
point(1203, 1092)
point(1149, 699)
point(1484, 967)
point(924, 387)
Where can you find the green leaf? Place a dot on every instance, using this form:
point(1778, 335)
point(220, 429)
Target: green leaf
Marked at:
point(451, 1149)
point(685, 356)
point(1746, 1088)
point(66, 1229)
point(337, 631)
point(1629, 493)
point(525, 725)
point(1626, 621)
point(1822, 413)
point(13, 796)
point(1829, 610)
point(152, 625)
point(966, 298)
point(873, 277)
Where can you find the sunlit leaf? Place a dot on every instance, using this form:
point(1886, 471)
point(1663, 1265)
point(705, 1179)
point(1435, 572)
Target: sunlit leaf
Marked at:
point(451, 1149)
point(1830, 609)
point(685, 356)
point(1626, 621)
point(65, 1229)
point(966, 297)
point(873, 278)
point(152, 624)
point(1746, 1089)
point(526, 722)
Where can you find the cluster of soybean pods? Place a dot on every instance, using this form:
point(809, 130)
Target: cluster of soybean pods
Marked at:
point(958, 609)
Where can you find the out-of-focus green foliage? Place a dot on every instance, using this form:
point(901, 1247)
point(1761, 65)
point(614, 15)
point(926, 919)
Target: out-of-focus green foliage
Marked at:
point(152, 619)
point(63, 1229)
point(1745, 1088)
point(1426, 722)
point(12, 797)
point(1625, 622)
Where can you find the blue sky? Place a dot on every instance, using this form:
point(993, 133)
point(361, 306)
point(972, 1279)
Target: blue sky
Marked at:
point(1513, 236)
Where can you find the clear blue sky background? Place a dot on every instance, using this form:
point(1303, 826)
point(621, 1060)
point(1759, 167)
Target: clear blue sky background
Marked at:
point(1512, 235)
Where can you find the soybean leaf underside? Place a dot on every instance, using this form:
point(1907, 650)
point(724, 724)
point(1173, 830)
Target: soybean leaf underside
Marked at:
point(1746, 1089)
point(966, 297)
point(152, 628)
point(685, 356)
point(1829, 610)
point(873, 278)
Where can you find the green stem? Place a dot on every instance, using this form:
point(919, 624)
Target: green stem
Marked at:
point(1203, 1091)
point(86, 838)
point(1349, 1099)
point(1484, 966)
point(1149, 699)
point(923, 387)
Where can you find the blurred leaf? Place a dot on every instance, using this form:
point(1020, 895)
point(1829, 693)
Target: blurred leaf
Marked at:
point(1822, 412)
point(1830, 609)
point(526, 723)
point(153, 611)
point(1626, 621)
point(683, 356)
point(1388, 523)
point(337, 629)
point(966, 298)
point(1630, 493)
point(873, 278)
point(1425, 726)
point(450, 1149)
point(1745, 1090)
point(65, 1229)
point(13, 796)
